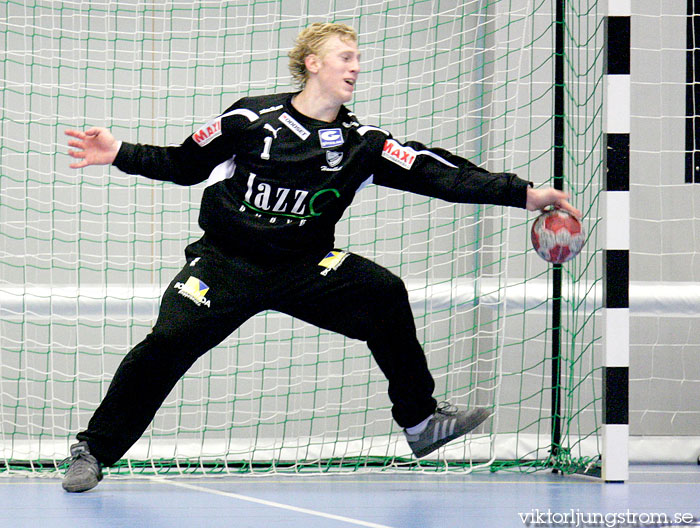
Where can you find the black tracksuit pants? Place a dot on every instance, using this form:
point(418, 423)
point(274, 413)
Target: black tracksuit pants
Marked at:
point(359, 299)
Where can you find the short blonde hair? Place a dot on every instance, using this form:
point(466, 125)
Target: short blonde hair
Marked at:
point(309, 42)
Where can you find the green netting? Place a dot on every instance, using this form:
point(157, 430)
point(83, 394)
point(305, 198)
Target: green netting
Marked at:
point(85, 255)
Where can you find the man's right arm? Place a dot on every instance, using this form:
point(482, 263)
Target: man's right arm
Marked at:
point(186, 164)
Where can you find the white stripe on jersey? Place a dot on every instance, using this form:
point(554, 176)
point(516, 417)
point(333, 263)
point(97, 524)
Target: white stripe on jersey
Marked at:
point(223, 171)
point(433, 155)
point(366, 128)
point(271, 109)
point(252, 116)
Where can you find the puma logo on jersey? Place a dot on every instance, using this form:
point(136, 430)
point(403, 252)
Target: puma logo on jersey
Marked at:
point(274, 131)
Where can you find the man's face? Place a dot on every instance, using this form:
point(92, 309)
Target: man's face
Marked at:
point(338, 67)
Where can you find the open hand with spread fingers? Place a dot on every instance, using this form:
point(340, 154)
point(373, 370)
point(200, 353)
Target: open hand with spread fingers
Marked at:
point(95, 146)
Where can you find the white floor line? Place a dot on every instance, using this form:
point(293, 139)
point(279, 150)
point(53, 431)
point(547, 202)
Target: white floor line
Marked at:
point(264, 502)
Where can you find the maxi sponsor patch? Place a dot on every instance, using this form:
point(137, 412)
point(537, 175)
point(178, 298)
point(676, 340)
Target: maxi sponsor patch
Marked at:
point(399, 154)
point(208, 132)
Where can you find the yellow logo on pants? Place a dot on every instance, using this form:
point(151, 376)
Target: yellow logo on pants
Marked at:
point(195, 290)
point(333, 260)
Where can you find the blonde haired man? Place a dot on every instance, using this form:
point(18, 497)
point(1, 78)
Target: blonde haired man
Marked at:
point(310, 42)
point(280, 170)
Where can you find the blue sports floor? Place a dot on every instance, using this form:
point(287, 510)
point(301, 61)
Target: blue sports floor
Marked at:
point(654, 496)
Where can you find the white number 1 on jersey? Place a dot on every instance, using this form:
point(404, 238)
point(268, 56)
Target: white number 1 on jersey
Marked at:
point(266, 149)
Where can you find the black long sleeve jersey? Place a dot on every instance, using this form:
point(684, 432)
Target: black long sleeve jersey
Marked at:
point(277, 181)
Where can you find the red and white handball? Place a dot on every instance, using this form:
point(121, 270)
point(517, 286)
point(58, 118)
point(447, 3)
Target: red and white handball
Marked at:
point(557, 236)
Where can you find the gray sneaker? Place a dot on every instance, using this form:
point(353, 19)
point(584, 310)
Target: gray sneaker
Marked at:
point(84, 472)
point(446, 424)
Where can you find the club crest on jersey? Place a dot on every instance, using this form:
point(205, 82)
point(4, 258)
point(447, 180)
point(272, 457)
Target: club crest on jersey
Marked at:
point(194, 290)
point(330, 137)
point(399, 154)
point(208, 132)
point(333, 158)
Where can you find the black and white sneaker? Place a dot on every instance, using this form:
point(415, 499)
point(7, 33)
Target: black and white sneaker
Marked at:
point(445, 425)
point(84, 472)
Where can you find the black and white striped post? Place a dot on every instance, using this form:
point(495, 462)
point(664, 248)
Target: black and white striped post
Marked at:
point(615, 428)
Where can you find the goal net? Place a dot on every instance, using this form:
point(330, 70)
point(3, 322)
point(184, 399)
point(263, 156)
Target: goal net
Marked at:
point(665, 227)
point(85, 255)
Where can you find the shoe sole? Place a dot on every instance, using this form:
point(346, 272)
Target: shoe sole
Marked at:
point(82, 486)
point(476, 420)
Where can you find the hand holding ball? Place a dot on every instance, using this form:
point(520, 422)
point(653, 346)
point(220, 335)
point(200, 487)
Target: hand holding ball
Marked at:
point(557, 236)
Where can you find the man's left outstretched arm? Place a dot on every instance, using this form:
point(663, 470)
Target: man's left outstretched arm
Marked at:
point(440, 174)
